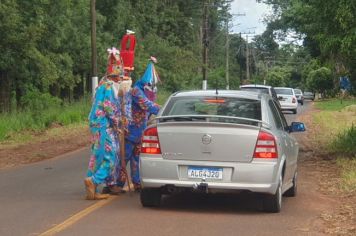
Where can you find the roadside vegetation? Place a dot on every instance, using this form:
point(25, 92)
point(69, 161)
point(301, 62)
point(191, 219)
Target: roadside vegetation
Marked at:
point(337, 120)
point(42, 112)
point(50, 47)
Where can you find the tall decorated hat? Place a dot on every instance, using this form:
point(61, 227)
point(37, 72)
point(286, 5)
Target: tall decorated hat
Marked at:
point(149, 80)
point(114, 68)
point(128, 44)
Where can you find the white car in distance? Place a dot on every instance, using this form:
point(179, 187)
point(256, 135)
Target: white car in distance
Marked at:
point(287, 99)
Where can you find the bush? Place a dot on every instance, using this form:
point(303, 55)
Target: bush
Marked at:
point(320, 80)
point(37, 102)
point(39, 115)
point(346, 143)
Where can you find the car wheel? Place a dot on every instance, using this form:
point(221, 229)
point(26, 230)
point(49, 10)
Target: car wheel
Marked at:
point(273, 203)
point(294, 111)
point(150, 197)
point(292, 192)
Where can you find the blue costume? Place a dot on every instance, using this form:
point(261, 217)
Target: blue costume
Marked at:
point(142, 95)
point(103, 122)
point(108, 114)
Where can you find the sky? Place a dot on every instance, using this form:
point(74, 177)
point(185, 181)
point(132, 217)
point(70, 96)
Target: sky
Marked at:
point(254, 13)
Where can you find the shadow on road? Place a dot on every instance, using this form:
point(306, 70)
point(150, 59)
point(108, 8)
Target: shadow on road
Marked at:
point(214, 203)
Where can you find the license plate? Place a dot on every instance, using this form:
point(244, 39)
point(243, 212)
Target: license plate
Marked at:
point(204, 173)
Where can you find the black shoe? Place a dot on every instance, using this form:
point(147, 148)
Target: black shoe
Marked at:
point(137, 188)
point(113, 190)
point(106, 190)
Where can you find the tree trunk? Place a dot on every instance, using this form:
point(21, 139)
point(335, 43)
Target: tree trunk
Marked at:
point(5, 92)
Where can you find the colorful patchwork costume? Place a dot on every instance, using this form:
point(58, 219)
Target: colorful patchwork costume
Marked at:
point(143, 105)
point(105, 120)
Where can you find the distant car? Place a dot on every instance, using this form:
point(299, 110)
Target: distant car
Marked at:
point(218, 141)
point(299, 95)
point(287, 99)
point(261, 89)
point(309, 96)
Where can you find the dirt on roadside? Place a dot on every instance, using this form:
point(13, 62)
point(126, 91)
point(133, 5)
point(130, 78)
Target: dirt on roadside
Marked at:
point(44, 145)
point(340, 217)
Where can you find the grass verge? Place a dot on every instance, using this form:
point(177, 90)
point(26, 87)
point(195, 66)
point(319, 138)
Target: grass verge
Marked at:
point(348, 174)
point(21, 126)
point(337, 125)
point(334, 104)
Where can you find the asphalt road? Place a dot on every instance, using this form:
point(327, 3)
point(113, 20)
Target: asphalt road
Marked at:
point(48, 197)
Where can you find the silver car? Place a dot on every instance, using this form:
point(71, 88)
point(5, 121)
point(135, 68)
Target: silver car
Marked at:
point(212, 141)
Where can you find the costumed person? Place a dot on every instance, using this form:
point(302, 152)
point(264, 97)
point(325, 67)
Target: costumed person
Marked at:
point(104, 121)
point(143, 95)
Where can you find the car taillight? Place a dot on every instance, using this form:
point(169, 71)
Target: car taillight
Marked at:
point(150, 142)
point(266, 146)
point(294, 100)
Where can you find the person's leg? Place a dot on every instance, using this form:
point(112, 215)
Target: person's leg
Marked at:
point(111, 187)
point(134, 165)
point(100, 172)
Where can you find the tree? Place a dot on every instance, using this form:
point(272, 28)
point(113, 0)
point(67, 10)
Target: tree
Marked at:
point(320, 80)
point(328, 29)
point(50, 46)
point(279, 76)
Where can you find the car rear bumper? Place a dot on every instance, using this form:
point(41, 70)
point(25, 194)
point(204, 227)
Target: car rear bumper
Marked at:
point(256, 176)
point(289, 106)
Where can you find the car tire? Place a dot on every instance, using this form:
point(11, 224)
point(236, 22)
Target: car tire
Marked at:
point(150, 197)
point(292, 192)
point(273, 203)
point(294, 111)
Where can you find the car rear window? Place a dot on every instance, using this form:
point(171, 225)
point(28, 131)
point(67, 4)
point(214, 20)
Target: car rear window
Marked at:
point(298, 91)
point(220, 106)
point(285, 91)
point(255, 89)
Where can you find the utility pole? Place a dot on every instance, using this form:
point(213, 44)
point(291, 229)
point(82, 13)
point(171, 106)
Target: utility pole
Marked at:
point(247, 61)
point(205, 45)
point(240, 56)
point(94, 72)
point(227, 45)
point(227, 55)
point(247, 54)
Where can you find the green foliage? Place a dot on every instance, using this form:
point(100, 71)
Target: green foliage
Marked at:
point(162, 97)
point(50, 43)
point(279, 76)
point(178, 68)
point(328, 29)
point(335, 104)
point(40, 115)
point(37, 102)
point(320, 80)
point(345, 143)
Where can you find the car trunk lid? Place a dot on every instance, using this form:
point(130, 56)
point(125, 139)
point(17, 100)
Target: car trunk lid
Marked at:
point(205, 141)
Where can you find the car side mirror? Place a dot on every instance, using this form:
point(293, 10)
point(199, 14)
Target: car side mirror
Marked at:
point(280, 98)
point(297, 127)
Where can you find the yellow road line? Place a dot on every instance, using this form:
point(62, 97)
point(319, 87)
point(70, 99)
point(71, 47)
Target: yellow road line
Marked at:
point(73, 219)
